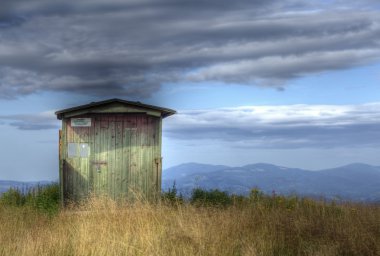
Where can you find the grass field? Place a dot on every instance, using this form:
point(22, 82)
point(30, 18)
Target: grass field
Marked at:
point(257, 225)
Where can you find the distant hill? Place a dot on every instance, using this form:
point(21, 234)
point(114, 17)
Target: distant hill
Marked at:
point(358, 182)
point(7, 184)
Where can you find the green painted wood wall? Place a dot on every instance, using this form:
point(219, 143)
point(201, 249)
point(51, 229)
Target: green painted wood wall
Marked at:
point(124, 160)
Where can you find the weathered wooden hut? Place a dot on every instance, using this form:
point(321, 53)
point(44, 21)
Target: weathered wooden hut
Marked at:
point(111, 148)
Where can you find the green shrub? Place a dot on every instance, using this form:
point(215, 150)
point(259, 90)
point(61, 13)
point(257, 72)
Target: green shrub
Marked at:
point(171, 196)
point(43, 198)
point(12, 197)
point(213, 197)
point(46, 198)
point(256, 195)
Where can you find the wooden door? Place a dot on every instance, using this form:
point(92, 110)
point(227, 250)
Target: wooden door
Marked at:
point(107, 169)
point(124, 150)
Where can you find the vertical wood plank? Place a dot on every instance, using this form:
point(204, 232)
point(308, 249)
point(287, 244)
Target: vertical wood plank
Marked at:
point(97, 168)
point(102, 163)
point(118, 159)
point(126, 156)
point(111, 157)
point(149, 160)
point(139, 155)
point(104, 153)
point(134, 157)
point(70, 163)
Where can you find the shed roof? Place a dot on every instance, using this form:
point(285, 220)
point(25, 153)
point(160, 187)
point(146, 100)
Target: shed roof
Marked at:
point(99, 106)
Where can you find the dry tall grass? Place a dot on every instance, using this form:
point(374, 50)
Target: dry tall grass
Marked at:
point(100, 227)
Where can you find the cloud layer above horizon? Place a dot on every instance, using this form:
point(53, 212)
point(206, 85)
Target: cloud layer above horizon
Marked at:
point(268, 126)
point(114, 47)
point(280, 127)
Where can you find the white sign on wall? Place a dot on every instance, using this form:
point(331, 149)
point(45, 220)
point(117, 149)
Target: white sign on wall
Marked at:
point(78, 150)
point(80, 122)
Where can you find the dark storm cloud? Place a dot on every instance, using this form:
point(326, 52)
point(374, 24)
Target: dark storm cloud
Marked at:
point(293, 126)
point(40, 121)
point(119, 48)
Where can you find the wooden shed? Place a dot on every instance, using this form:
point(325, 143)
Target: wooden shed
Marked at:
point(111, 148)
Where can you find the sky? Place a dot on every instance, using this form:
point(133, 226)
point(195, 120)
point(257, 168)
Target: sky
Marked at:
point(293, 83)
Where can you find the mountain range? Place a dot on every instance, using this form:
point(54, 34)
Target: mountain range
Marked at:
point(356, 182)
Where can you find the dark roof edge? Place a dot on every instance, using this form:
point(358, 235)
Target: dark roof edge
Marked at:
point(164, 111)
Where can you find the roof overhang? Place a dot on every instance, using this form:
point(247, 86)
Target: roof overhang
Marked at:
point(114, 106)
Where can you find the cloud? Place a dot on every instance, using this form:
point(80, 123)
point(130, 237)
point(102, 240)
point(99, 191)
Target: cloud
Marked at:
point(130, 48)
point(289, 126)
point(40, 121)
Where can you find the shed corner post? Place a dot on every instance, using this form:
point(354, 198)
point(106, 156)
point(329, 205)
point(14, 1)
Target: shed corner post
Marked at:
point(160, 160)
point(61, 162)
